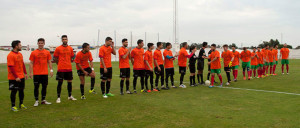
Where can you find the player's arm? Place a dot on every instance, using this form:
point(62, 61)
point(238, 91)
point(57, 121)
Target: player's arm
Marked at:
point(51, 67)
point(148, 65)
point(113, 48)
point(126, 54)
point(155, 62)
point(24, 70)
point(31, 69)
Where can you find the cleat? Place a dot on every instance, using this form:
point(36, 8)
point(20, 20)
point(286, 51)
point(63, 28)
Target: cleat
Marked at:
point(148, 90)
point(104, 96)
point(235, 80)
point(122, 93)
point(22, 106)
point(128, 92)
point(163, 88)
point(282, 73)
point(221, 85)
point(36, 103)
point(58, 100)
point(249, 78)
point(258, 77)
point(210, 86)
point(167, 88)
point(227, 83)
point(45, 102)
point(142, 90)
point(110, 94)
point(82, 97)
point(244, 78)
point(93, 91)
point(14, 109)
point(135, 92)
point(155, 90)
point(72, 98)
point(192, 85)
point(287, 73)
point(174, 86)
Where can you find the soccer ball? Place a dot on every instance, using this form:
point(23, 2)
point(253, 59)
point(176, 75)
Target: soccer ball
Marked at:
point(207, 82)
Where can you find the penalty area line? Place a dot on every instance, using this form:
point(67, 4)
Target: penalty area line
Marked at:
point(256, 90)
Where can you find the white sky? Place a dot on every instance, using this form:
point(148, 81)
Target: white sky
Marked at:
point(215, 21)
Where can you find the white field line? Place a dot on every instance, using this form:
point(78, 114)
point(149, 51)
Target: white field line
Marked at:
point(256, 90)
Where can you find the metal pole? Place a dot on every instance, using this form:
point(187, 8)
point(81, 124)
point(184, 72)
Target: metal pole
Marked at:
point(115, 44)
point(157, 37)
point(131, 39)
point(146, 38)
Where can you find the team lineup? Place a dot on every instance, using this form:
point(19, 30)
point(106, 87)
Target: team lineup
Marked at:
point(258, 63)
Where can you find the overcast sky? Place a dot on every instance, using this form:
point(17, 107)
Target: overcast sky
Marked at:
point(215, 21)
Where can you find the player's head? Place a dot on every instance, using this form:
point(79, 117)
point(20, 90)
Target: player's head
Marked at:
point(16, 45)
point(64, 39)
point(140, 43)
point(276, 46)
point(41, 43)
point(125, 42)
point(285, 45)
point(259, 48)
point(159, 45)
point(204, 44)
point(168, 45)
point(150, 46)
point(271, 46)
point(233, 48)
point(108, 41)
point(267, 46)
point(185, 45)
point(213, 47)
point(192, 47)
point(86, 47)
point(254, 49)
point(245, 49)
point(225, 47)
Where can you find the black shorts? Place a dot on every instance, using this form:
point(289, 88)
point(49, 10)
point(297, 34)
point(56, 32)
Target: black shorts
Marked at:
point(148, 73)
point(107, 75)
point(138, 73)
point(80, 73)
point(40, 79)
point(200, 65)
point(14, 85)
point(161, 70)
point(169, 71)
point(64, 75)
point(192, 68)
point(227, 69)
point(182, 70)
point(124, 72)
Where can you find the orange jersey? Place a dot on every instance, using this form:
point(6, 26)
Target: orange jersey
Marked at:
point(149, 58)
point(275, 53)
point(158, 57)
point(40, 60)
point(215, 64)
point(168, 62)
point(227, 56)
point(15, 60)
point(64, 55)
point(83, 59)
point(182, 58)
point(260, 59)
point(105, 53)
point(138, 55)
point(123, 63)
point(270, 56)
point(265, 54)
point(284, 53)
point(254, 60)
point(245, 56)
point(236, 60)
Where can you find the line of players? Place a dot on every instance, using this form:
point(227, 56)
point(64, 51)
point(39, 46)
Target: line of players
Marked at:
point(142, 62)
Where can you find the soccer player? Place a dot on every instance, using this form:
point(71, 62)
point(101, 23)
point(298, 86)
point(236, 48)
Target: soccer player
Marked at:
point(245, 57)
point(192, 65)
point(40, 59)
point(266, 60)
point(228, 57)
point(105, 66)
point(149, 67)
point(83, 67)
point(182, 59)
point(169, 67)
point(271, 59)
point(16, 75)
point(260, 62)
point(284, 56)
point(63, 57)
point(275, 53)
point(215, 65)
point(200, 63)
point(254, 63)
point(208, 65)
point(137, 60)
point(235, 63)
point(124, 56)
point(159, 66)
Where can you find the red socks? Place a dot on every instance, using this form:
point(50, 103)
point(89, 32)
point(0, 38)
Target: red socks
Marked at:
point(271, 70)
point(220, 77)
point(249, 74)
point(254, 73)
point(274, 67)
point(212, 80)
point(244, 73)
point(287, 68)
point(282, 68)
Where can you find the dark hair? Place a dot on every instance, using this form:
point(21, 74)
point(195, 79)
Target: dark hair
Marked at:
point(225, 45)
point(168, 44)
point(204, 44)
point(41, 39)
point(158, 44)
point(184, 44)
point(84, 45)
point(15, 43)
point(108, 39)
point(192, 48)
point(267, 45)
point(213, 45)
point(139, 41)
point(254, 47)
point(64, 36)
point(271, 45)
point(150, 45)
point(233, 46)
point(123, 40)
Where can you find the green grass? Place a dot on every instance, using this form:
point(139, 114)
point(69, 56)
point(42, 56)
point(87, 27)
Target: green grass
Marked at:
point(190, 107)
